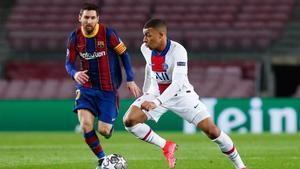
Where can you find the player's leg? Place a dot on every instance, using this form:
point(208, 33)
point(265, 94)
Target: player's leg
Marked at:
point(222, 140)
point(189, 107)
point(86, 111)
point(86, 119)
point(105, 129)
point(134, 122)
point(107, 113)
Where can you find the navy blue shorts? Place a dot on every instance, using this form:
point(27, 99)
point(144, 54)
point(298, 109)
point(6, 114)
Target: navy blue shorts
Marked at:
point(103, 104)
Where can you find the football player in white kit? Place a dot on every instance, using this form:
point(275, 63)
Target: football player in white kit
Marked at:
point(166, 87)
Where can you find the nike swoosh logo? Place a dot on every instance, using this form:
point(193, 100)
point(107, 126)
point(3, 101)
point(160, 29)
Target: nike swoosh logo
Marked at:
point(196, 105)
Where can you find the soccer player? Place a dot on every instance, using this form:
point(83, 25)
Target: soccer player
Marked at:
point(99, 49)
point(166, 87)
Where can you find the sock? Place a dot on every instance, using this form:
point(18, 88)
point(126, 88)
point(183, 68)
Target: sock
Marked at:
point(92, 140)
point(145, 133)
point(226, 145)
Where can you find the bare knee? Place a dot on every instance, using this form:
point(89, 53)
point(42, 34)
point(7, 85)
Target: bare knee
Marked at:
point(87, 126)
point(129, 121)
point(134, 116)
point(209, 128)
point(86, 119)
point(104, 130)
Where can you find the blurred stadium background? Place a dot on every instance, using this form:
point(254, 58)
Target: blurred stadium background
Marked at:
point(243, 53)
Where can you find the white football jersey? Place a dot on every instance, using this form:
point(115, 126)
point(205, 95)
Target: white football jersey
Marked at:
point(166, 72)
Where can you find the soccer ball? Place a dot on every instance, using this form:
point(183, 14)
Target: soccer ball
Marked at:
point(114, 161)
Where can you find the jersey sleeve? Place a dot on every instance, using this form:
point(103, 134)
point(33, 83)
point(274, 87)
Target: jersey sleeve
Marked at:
point(147, 78)
point(120, 48)
point(180, 59)
point(179, 75)
point(116, 43)
point(71, 56)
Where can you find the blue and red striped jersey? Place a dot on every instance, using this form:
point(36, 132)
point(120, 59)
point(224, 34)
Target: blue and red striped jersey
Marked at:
point(99, 53)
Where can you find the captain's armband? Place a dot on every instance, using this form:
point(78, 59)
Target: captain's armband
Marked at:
point(120, 48)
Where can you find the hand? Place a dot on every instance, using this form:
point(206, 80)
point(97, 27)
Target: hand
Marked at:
point(81, 77)
point(134, 89)
point(148, 105)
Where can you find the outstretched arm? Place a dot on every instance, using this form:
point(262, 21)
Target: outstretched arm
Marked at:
point(131, 85)
point(121, 50)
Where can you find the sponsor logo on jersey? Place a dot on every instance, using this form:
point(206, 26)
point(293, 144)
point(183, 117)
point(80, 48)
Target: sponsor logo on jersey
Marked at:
point(94, 55)
point(165, 66)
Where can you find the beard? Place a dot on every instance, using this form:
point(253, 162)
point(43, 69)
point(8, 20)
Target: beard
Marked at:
point(89, 29)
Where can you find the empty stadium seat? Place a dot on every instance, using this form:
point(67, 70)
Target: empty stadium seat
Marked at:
point(49, 89)
point(31, 89)
point(3, 86)
point(14, 89)
point(66, 89)
point(48, 23)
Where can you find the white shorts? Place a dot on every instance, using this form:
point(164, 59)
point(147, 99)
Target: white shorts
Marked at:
point(186, 105)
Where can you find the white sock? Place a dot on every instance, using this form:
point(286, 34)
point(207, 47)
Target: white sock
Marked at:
point(145, 133)
point(226, 145)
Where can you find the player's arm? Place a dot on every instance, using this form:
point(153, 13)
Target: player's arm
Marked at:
point(179, 76)
point(79, 76)
point(120, 48)
point(71, 56)
point(147, 80)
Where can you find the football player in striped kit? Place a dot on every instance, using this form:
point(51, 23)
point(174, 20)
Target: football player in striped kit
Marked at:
point(166, 87)
point(99, 50)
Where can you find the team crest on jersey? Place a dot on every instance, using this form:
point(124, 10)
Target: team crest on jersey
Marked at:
point(165, 66)
point(100, 44)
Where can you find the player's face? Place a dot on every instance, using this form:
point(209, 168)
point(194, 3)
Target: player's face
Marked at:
point(88, 20)
point(152, 38)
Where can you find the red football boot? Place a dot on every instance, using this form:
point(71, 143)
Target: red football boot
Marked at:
point(169, 150)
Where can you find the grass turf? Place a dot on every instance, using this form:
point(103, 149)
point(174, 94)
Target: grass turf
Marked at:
point(66, 150)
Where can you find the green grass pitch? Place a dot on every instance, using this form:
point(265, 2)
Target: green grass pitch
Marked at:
point(66, 150)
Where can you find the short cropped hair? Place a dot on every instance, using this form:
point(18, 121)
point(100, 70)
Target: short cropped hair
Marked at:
point(89, 7)
point(156, 23)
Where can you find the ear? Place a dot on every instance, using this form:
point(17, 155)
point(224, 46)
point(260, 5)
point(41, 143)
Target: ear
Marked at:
point(162, 34)
point(79, 18)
